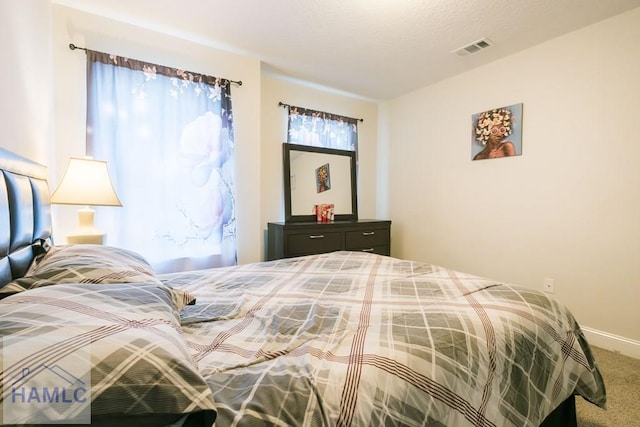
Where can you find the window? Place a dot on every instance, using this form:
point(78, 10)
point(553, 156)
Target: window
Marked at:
point(319, 129)
point(167, 135)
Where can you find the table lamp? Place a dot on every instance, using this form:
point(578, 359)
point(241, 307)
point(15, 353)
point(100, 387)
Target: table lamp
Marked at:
point(86, 182)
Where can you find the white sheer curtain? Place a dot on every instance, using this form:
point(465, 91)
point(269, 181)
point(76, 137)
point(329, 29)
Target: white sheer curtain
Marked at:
point(320, 129)
point(167, 136)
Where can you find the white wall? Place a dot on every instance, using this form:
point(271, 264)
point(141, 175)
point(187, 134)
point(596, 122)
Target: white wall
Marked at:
point(102, 34)
point(26, 101)
point(568, 208)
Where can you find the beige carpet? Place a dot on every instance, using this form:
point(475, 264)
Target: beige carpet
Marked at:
point(622, 380)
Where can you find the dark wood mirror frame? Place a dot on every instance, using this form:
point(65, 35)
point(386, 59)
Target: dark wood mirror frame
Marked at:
point(290, 213)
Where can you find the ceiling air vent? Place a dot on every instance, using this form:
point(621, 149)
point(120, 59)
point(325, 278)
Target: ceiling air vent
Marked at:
point(474, 47)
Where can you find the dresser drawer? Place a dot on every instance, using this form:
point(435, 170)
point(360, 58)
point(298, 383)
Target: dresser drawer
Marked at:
point(367, 238)
point(286, 240)
point(314, 243)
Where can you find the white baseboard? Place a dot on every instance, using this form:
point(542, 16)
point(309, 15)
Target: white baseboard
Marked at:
point(622, 345)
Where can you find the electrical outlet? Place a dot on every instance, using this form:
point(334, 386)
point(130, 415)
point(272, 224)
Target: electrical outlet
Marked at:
point(548, 285)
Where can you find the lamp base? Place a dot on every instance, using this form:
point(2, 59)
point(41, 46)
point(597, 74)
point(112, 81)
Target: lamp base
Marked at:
point(86, 233)
point(86, 239)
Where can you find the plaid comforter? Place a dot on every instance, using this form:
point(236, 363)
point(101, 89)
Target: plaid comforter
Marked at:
point(354, 339)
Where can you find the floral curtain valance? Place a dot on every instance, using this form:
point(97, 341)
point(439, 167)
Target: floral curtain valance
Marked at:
point(151, 70)
point(321, 129)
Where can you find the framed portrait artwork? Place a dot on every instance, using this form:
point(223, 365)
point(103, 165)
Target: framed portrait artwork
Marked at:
point(497, 133)
point(323, 178)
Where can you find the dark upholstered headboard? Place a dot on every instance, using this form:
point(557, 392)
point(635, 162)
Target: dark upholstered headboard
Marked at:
point(25, 214)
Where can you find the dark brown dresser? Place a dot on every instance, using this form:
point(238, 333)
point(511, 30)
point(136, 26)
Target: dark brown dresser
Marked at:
point(290, 239)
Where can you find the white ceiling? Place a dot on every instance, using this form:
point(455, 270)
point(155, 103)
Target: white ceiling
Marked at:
point(375, 49)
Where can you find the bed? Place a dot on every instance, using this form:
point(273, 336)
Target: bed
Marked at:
point(92, 334)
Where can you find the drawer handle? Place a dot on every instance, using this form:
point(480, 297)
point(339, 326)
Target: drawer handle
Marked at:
point(368, 233)
point(317, 236)
point(368, 250)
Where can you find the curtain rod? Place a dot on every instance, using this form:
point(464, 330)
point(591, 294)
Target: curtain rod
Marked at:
point(74, 47)
point(283, 105)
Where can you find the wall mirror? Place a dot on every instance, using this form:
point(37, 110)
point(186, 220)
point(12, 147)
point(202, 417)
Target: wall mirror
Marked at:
point(316, 175)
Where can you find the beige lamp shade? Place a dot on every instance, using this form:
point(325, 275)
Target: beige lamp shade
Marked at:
point(86, 182)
